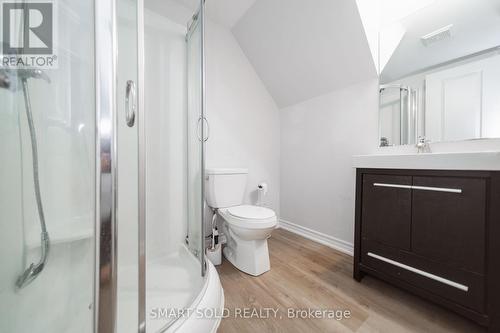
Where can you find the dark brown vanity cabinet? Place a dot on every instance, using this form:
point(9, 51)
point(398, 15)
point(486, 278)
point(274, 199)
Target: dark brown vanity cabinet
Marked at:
point(387, 210)
point(434, 233)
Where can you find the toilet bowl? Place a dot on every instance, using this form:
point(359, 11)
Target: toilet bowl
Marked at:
point(246, 227)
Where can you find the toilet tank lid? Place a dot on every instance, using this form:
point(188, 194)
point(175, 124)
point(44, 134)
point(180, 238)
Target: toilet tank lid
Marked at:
point(225, 171)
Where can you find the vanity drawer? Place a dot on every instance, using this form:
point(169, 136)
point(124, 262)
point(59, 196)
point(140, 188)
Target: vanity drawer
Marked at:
point(452, 284)
point(386, 209)
point(449, 221)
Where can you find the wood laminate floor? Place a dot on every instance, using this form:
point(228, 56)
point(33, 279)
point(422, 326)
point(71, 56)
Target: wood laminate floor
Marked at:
point(308, 275)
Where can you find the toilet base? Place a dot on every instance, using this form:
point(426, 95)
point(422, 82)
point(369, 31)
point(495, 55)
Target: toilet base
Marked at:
point(249, 256)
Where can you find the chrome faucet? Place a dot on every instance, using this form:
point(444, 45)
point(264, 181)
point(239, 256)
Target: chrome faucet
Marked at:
point(422, 145)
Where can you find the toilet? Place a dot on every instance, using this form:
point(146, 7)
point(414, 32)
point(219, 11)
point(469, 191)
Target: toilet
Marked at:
point(246, 227)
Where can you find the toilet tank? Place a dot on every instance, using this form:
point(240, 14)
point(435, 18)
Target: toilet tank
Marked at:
point(225, 187)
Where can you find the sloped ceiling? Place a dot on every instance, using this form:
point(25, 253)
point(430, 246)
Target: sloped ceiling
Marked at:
point(227, 12)
point(476, 27)
point(224, 12)
point(303, 49)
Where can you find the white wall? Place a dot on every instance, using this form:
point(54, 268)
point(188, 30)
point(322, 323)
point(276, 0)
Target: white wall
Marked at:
point(318, 138)
point(244, 120)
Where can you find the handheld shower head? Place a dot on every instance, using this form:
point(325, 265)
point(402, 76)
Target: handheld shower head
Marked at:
point(34, 270)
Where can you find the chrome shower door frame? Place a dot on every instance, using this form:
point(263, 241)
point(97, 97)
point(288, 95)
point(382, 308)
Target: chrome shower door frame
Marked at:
point(198, 21)
point(105, 285)
point(105, 229)
point(141, 123)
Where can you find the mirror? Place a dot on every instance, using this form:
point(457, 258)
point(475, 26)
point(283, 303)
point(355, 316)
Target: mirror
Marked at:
point(439, 64)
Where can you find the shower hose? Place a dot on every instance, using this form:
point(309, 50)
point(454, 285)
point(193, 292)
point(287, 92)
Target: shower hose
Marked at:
point(34, 269)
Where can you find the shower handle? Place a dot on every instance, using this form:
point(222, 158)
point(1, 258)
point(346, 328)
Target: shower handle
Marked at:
point(130, 103)
point(200, 121)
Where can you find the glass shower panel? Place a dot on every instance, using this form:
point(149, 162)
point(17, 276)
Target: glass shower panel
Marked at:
point(127, 189)
point(47, 179)
point(196, 136)
point(397, 115)
point(390, 116)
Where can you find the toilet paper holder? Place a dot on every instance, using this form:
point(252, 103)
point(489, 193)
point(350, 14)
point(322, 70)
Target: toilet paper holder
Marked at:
point(262, 189)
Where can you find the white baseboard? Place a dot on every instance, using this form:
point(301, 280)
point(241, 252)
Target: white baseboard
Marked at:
point(319, 237)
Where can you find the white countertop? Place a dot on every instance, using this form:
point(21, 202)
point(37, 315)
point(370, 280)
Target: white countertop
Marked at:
point(489, 161)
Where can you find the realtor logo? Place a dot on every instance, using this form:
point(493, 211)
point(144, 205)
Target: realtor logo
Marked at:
point(27, 28)
point(28, 34)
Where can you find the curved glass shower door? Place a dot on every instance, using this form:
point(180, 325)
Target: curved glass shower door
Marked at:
point(175, 131)
point(47, 172)
point(127, 169)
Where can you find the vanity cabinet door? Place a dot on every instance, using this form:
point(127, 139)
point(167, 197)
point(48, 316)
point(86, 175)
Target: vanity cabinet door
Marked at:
point(386, 209)
point(449, 221)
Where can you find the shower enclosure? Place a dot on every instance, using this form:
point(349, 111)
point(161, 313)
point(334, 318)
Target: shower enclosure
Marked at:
point(101, 196)
point(397, 115)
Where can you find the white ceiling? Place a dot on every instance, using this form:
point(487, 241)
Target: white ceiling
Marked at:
point(224, 12)
point(303, 49)
point(227, 12)
point(476, 27)
point(299, 48)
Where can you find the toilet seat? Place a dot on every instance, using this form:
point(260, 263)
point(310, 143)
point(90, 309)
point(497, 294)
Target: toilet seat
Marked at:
point(249, 217)
point(251, 212)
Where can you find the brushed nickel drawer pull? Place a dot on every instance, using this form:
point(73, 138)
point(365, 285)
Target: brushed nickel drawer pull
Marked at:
point(437, 189)
point(420, 272)
point(423, 188)
point(392, 185)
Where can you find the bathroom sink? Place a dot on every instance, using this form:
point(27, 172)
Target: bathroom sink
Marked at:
point(489, 160)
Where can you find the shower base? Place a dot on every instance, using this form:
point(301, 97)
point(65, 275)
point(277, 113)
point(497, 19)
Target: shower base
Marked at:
point(174, 282)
